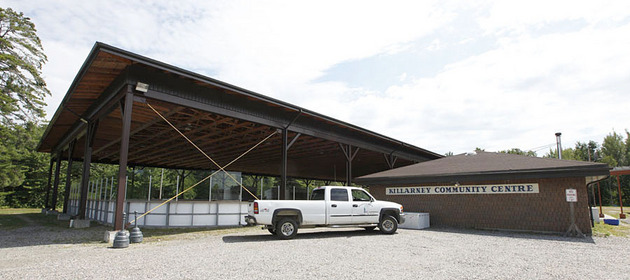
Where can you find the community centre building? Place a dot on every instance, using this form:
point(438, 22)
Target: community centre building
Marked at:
point(492, 191)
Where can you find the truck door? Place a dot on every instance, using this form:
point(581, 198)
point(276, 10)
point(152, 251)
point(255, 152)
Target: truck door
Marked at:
point(339, 207)
point(363, 212)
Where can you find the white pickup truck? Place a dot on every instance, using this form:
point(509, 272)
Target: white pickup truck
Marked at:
point(328, 206)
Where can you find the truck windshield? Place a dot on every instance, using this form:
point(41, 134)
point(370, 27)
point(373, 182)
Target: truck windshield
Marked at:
point(317, 194)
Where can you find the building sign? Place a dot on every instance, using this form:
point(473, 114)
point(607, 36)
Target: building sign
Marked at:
point(571, 195)
point(465, 189)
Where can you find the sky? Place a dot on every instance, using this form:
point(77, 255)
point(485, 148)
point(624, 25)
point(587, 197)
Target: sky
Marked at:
point(446, 76)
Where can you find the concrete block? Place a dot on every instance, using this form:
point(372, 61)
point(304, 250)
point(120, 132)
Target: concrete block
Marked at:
point(76, 223)
point(63, 217)
point(595, 212)
point(415, 221)
point(110, 235)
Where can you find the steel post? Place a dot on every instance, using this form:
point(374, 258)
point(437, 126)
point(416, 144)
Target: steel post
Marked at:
point(599, 193)
point(209, 188)
point(621, 215)
point(149, 195)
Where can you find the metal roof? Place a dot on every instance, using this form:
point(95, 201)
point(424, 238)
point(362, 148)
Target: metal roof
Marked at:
point(621, 170)
point(484, 166)
point(222, 119)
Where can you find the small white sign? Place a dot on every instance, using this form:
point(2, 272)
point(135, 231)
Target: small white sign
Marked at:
point(571, 195)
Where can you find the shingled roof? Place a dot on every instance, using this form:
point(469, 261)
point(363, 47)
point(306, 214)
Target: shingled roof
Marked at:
point(486, 166)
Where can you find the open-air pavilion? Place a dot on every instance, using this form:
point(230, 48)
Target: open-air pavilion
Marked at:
point(129, 110)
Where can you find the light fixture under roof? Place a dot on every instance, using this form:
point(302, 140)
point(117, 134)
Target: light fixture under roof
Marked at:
point(142, 87)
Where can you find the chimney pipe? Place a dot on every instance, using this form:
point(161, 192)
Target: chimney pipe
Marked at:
point(559, 143)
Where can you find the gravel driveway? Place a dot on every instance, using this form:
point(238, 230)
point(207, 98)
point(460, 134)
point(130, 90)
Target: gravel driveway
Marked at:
point(251, 253)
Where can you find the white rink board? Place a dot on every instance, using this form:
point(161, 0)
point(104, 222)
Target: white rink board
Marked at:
point(172, 214)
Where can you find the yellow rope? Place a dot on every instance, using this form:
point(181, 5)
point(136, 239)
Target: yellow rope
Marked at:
point(206, 155)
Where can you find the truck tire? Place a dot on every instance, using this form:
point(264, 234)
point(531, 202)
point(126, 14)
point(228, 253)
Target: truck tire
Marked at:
point(271, 230)
point(388, 225)
point(286, 228)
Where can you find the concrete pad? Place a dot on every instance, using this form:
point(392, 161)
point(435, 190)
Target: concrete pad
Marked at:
point(110, 235)
point(63, 217)
point(76, 223)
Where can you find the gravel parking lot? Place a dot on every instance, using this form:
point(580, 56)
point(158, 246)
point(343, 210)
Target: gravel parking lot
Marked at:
point(251, 253)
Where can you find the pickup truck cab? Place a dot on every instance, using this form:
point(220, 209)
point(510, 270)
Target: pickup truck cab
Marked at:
point(329, 206)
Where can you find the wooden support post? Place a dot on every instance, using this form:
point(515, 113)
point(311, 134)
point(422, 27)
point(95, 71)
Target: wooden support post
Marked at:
point(283, 172)
point(66, 196)
point(50, 169)
point(390, 159)
point(53, 204)
point(122, 164)
point(347, 152)
point(87, 160)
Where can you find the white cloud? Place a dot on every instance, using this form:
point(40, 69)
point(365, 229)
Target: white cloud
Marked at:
point(523, 16)
point(541, 66)
point(274, 48)
point(516, 95)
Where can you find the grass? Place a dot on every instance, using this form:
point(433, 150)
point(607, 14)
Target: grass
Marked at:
point(11, 218)
point(604, 230)
point(601, 229)
point(614, 211)
point(10, 211)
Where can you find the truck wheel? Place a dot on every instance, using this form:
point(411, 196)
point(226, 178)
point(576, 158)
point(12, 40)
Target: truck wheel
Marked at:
point(286, 228)
point(388, 225)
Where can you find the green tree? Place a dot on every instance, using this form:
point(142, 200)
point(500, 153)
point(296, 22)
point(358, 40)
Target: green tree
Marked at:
point(586, 151)
point(21, 60)
point(567, 154)
point(23, 171)
point(28, 176)
point(517, 151)
point(10, 169)
point(614, 150)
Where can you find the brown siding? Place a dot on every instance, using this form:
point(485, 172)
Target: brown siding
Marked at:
point(545, 211)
